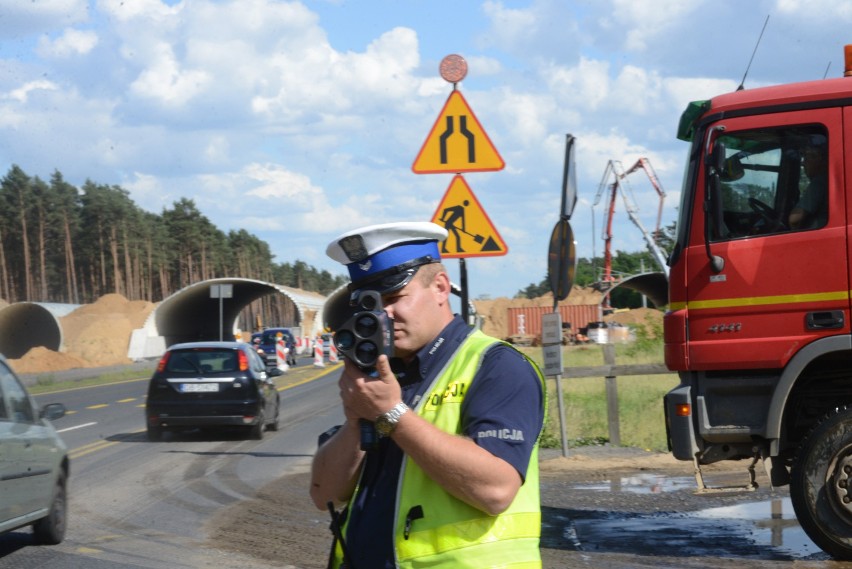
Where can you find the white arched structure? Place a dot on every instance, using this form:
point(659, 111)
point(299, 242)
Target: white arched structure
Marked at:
point(191, 314)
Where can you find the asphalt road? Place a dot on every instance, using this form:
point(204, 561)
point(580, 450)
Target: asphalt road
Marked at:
point(135, 503)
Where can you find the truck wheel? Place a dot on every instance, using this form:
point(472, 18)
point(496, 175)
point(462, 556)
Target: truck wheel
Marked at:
point(821, 484)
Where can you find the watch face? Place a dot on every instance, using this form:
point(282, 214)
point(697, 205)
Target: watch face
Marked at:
point(384, 427)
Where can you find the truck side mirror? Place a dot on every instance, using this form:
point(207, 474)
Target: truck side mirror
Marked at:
point(714, 166)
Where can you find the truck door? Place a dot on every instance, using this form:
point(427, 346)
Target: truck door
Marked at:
point(785, 280)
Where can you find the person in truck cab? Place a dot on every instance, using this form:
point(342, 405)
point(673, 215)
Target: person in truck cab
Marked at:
point(811, 211)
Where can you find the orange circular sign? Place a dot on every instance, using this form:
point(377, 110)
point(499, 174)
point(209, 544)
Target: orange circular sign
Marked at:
point(453, 68)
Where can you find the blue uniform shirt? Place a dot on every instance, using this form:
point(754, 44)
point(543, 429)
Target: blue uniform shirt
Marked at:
point(502, 413)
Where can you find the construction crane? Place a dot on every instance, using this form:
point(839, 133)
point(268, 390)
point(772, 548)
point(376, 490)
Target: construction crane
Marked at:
point(615, 179)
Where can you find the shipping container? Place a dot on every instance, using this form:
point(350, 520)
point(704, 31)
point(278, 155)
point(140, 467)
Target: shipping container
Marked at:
point(526, 321)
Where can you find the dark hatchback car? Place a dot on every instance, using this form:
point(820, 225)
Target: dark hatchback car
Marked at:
point(212, 384)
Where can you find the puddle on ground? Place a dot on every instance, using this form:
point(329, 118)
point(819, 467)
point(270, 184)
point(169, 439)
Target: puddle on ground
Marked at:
point(765, 529)
point(773, 523)
point(644, 483)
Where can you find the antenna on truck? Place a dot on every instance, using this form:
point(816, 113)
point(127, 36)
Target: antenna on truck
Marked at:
point(742, 83)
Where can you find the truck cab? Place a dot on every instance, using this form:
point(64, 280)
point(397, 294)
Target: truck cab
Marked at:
point(759, 295)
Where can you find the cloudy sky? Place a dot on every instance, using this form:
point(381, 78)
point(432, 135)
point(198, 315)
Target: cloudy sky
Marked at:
point(300, 120)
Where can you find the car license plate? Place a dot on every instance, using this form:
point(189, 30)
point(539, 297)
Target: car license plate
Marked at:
point(199, 387)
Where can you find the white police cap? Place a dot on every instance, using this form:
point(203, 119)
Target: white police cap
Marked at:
point(385, 257)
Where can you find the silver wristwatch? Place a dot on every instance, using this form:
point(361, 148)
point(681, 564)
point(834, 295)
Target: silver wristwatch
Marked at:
point(387, 422)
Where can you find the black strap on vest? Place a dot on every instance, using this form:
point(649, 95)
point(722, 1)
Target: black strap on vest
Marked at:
point(336, 529)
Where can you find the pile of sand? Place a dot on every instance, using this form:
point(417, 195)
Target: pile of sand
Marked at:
point(638, 317)
point(41, 359)
point(94, 335)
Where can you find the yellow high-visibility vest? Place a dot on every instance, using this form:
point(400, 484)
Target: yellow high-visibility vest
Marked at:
point(435, 529)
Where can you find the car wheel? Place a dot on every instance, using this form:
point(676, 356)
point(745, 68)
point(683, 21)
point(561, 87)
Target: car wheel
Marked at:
point(273, 426)
point(155, 433)
point(819, 488)
point(50, 530)
point(256, 431)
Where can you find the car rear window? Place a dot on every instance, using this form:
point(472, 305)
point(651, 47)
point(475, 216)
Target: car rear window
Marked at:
point(272, 337)
point(202, 361)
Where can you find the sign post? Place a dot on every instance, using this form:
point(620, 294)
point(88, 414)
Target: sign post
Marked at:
point(221, 291)
point(551, 340)
point(561, 262)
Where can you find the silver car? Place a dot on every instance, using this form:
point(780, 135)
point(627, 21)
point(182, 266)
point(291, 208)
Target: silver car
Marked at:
point(33, 463)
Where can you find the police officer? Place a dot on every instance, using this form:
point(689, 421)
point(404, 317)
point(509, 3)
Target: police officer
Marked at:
point(454, 479)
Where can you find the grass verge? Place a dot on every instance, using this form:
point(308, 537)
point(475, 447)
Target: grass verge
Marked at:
point(640, 400)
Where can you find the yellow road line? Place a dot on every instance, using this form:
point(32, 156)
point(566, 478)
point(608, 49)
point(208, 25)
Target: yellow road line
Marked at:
point(63, 390)
point(90, 448)
point(320, 373)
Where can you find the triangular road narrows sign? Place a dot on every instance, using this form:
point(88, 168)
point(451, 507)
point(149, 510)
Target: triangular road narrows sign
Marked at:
point(457, 143)
point(471, 233)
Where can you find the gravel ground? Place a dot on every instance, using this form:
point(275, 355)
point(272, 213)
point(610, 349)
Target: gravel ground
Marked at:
point(602, 507)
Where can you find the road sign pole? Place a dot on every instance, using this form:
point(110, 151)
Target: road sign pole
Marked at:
point(465, 313)
point(551, 340)
point(221, 292)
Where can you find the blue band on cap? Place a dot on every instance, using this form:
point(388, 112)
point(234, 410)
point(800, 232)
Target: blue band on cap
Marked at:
point(391, 257)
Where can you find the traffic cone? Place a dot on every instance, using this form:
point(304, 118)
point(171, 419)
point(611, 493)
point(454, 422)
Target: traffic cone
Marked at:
point(332, 353)
point(281, 355)
point(318, 359)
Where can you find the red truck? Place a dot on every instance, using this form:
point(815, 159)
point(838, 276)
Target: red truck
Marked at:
point(758, 322)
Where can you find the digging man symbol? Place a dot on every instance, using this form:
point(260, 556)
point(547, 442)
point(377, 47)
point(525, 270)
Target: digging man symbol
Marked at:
point(448, 218)
point(460, 213)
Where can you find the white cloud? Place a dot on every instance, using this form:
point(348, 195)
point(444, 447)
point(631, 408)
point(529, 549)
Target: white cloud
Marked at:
point(636, 89)
point(642, 21)
point(153, 11)
point(682, 90)
point(277, 184)
point(289, 200)
point(528, 116)
point(585, 86)
point(343, 82)
point(815, 10)
point(167, 82)
point(147, 190)
point(21, 94)
point(509, 26)
point(71, 42)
